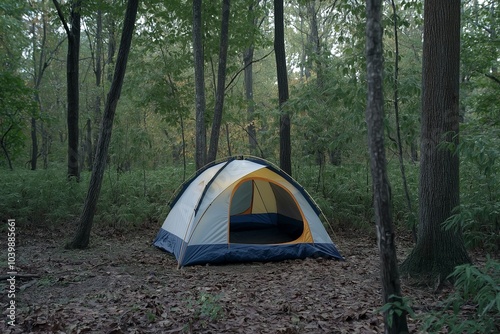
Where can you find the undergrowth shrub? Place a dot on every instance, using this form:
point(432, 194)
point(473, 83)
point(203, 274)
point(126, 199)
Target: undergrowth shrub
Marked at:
point(402, 216)
point(43, 196)
point(479, 212)
point(344, 192)
point(46, 197)
point(136, 197)
point(474, 307)
point(207, 307)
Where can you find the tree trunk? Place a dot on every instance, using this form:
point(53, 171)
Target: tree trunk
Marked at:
point(4, 147)
point(46, 138)
point(391, 290)
point(34, 139)
point(34, 144)
point(304, 56)
point(82, 237)
point(73, 90)
point(98, 80)
point(110, 59)
point(414, 151)
point(183, 136)
point(88, 145)
point(248, 82)
point(396, 114)
point(72, 79)
point(221, 82)
point(493, 35)
point(39, 67)
point(313, 65)
point(228, 142)
point(199, 77)
point(437, 251)
point(282, 75)
point(248, 79)
point(313, 43)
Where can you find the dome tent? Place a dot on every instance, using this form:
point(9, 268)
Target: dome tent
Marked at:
point(243, 209)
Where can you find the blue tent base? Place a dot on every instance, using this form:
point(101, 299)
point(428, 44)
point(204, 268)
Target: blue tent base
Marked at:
point(233, 253)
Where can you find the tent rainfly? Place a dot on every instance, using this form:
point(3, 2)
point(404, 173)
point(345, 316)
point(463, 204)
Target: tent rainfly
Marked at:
point(242, 210)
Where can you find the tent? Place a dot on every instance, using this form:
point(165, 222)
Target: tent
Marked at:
point(243, 209)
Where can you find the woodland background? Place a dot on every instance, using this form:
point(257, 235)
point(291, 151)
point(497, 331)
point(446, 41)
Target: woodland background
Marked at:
point(153, 145)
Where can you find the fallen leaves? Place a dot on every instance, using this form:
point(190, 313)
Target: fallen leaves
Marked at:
point(128, 286)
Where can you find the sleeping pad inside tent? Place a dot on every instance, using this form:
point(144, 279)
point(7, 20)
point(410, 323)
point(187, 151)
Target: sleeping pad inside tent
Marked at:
point(243, 209)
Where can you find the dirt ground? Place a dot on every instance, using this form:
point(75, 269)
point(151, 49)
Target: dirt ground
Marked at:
point(123, 284)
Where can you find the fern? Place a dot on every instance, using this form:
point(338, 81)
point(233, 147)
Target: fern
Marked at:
point(474, 307)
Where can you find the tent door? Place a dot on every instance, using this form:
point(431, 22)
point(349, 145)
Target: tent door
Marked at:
point(263, 212)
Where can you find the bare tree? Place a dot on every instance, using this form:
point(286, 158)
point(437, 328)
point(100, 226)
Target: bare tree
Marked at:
point(73, 92)
point(248, 60)
point(199, 77)
point(82, 236)
point(391, 290)
point(282, 75)
point(221, 82)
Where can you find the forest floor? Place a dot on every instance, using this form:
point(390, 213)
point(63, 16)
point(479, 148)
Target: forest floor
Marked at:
point(122, 284)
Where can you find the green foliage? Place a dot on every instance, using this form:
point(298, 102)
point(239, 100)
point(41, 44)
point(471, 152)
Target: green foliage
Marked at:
point(40, 197)
point(479, 212)
point(397, 306)
point(344, 192)
point(207, 307)
point(474, 307)
point(400, 213)
point(127, 199)
point(16, 106)
point(345, 195)
point(13, 42)
point(132, 198)
point(479, 52)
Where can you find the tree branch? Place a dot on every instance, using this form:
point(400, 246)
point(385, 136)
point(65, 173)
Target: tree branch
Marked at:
point(61, 16)
point(242, 69)
point(492, 77)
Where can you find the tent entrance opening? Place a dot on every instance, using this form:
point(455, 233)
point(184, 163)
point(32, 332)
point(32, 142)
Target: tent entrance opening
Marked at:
point(262, 212)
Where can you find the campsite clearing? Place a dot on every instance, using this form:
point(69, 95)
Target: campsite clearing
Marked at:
point(123, 284)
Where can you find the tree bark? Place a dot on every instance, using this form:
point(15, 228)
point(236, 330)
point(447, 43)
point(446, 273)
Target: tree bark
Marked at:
point(72, 79)
point(34, 143)
point(4, 147)
point(98, 80)
point(73, 88)
point(88, 145)
point(221, 82)
point(248, 56)
point(199, 77)
point(34, 139)
point(82, 236)
point(391, 290)
point(110, 58)
point(313, 43)
point(437, 251)
point(282, 76)
point(248, 80)
point(396, 114)
point(39, 67)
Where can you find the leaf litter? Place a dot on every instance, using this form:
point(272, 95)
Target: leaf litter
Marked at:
point(123, 284)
